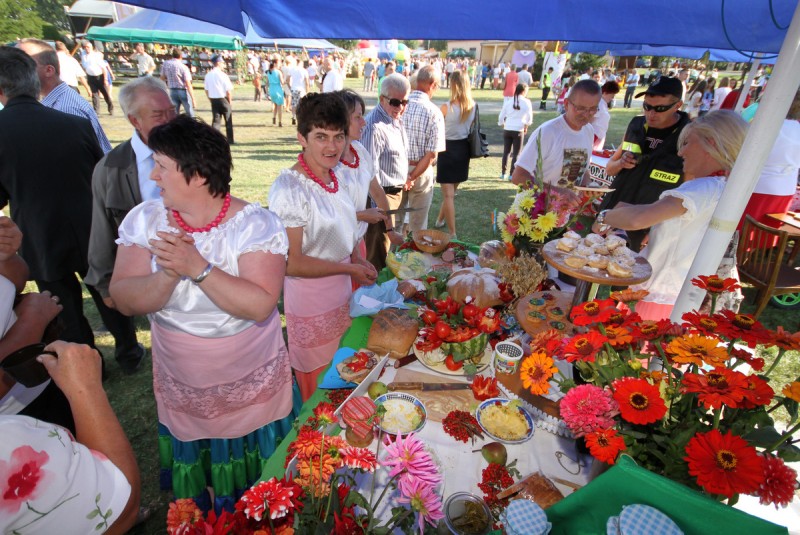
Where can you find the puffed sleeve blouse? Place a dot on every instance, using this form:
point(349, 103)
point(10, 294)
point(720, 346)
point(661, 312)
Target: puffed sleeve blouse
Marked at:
point(189, 309)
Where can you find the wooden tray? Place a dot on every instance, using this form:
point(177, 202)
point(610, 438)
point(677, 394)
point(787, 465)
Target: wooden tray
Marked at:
point(552, 306)
point(641, 269)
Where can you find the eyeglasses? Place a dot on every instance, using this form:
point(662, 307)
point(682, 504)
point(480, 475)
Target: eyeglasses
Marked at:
point(583, 109)
point(659, 109)
point(396, 102)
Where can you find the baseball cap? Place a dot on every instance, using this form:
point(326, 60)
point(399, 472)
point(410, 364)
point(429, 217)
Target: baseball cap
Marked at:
point(664, 86)
point(216, 58)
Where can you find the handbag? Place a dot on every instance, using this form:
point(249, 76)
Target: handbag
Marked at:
point(478, 146)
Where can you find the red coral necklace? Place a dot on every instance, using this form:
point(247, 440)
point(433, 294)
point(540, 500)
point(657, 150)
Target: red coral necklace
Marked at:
point(355, 155)
point(330, 189)
point(217, 220)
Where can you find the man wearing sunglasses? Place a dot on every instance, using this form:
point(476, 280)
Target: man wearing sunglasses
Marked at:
point(647, 162)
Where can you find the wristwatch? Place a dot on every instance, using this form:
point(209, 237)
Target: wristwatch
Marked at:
point(206, 272)
point(601, 218)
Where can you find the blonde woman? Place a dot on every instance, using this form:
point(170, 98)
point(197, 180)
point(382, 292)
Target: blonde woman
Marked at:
point(453, 166)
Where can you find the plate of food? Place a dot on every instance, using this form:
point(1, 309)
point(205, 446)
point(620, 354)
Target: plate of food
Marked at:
point(505, 420)
point(400, 413)
point(441, 362)
point(594, 189)
point(356, 367)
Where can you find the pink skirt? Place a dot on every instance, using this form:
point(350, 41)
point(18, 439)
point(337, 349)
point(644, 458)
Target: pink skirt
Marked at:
point(221, 387)
point(317, 315)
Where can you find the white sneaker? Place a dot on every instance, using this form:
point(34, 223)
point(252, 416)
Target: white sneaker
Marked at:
point(439, 224)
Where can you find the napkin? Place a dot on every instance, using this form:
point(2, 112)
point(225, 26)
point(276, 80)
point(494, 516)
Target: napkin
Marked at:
point(332, 379)
point(369, 300)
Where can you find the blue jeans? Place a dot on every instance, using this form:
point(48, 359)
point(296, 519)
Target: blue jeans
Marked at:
point(178, 97)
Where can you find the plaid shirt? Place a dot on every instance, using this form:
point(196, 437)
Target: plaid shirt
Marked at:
point(177, 74)
point(385, 139)
point(65, 99)
point(424, 124)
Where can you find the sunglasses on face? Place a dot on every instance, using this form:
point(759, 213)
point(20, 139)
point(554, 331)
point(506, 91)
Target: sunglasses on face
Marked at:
point(659, 109)
point(396, 102)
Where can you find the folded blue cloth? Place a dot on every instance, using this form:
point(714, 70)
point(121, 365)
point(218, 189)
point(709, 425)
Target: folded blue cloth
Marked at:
point(332, 380)
point(369, 300)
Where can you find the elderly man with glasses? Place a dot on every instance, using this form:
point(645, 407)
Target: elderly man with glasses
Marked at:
point(647, 163)
point(385, 138)
point(565, 142)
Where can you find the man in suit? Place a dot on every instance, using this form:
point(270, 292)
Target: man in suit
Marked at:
point(48, 157)
point(121, 180)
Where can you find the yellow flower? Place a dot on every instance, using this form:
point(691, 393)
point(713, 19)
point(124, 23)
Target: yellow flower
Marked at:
point(527, 203)
point(505, 235)
point(525, 225)
point(536, 371)
point(537, 234)
point(792, 391)
point(696, 349)
point(547, 222)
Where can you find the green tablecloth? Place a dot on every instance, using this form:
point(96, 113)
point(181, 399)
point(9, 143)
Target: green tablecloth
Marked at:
point(586, 511)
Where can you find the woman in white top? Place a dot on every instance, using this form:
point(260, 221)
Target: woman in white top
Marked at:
point(452, 167)
point(515, 118)
point(709, 146)
point(694, 98)
point(320, 220)
point(602, 118)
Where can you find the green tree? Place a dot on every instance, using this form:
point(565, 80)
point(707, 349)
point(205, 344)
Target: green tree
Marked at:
point(18, 18)
point(584, 61)
point(52, 11)
point(347, 44)
point(412, 44)
point(438, 44)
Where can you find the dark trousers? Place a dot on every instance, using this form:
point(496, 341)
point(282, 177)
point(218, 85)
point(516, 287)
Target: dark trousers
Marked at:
point(512, 140)
point(376, 239)
point(51, 406)
point(76, 326)
point(545, 94)
point(483, 81)
point(221, 109)
point(98, 87)
point(629, 91)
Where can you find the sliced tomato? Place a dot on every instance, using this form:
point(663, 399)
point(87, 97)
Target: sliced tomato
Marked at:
point(459, 334)
point(452, 365)
point(442, 329)
point(490, 321)
point(484, 388)
point(429, 317)
point(428, 341)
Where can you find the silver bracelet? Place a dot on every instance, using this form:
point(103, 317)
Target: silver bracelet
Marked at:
point(206, 272)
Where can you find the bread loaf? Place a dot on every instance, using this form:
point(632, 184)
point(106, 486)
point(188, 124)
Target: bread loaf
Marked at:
point(393, 331)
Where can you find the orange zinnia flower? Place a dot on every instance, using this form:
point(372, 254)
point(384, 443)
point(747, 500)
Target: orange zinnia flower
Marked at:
point(307, 444)
point(618, 336)
point(639, 401)
point(717, 387)
point(696, 349)
point(182, 512)
point(547, 341)
point(715, 285)
point(536, 371)
point(605, 445)
point(792, 391)
point(724, 464)
point(627, 295)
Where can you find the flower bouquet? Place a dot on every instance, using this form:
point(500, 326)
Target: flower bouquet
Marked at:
point(321, 497)
point(690, 402)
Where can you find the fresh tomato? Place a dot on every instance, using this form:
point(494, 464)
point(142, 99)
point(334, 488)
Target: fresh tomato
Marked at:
point(428, 341)
point(442, 329)
point(469, 311)
point(505, 292)
point(441, 305)
point(359, 362)
point(452, 365)
point(429, 317)
point(484, 388)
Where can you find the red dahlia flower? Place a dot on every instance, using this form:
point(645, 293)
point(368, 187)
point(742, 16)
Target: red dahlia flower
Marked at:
point(779, 483)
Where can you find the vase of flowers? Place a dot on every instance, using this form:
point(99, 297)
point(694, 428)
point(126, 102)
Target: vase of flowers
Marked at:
point(689, 401)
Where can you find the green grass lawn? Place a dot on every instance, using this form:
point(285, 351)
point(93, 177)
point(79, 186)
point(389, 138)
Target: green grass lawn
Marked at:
point(260, 152)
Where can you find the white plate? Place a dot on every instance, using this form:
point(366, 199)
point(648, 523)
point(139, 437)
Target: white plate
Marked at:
point(434, 360)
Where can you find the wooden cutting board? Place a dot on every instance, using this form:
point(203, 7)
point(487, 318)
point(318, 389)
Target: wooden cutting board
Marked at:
point(437, 404)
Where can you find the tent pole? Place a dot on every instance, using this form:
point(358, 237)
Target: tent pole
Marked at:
point(759, 141)
point(747, 82)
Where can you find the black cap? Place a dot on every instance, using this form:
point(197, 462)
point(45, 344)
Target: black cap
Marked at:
point(664, 86)
point(216, 58)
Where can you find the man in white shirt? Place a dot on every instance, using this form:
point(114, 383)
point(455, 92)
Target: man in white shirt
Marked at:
point(94, 65)
point(566, 141)
point(525, 76)
point(332, 80)
point(71, 71)
point(144, 61)
point(219, 91)
point(631, 82)
point(299, 85)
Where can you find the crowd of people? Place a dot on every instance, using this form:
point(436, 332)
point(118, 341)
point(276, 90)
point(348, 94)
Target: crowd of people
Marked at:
point(152, 229)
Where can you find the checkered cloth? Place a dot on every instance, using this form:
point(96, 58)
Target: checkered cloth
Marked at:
point(640, 519)
point(524, 517)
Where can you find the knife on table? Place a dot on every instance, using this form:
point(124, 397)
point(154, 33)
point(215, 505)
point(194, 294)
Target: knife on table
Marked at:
point(429, 387)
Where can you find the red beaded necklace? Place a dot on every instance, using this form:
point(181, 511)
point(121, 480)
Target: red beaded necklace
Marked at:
point(720, 172)
point(352, 165)
point(217, 220)
point(330, 189)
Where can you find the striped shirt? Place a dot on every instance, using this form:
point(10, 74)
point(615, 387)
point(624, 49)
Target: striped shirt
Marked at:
point(65, 99)
point(176, 73)
point(424, 124)
point(385, 139)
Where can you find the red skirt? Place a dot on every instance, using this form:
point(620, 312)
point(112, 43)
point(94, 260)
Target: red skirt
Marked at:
point(761, 204)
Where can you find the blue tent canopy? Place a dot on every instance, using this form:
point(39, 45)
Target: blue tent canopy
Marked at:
point(753, 25)
point(615, 49)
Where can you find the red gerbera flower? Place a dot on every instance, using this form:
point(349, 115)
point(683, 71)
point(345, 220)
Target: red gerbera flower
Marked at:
point(650, 330)
point(605, 445)
point(714, 284)
point(583, 346)
point(757, 393)
point(623, 318)
point(595, 311)
point(741, 326)
point(639, 401)
point(746, 355)
point(702, 323)
point(779, 483)
point(724, 464)
point(717, 387)
point(786, 340)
